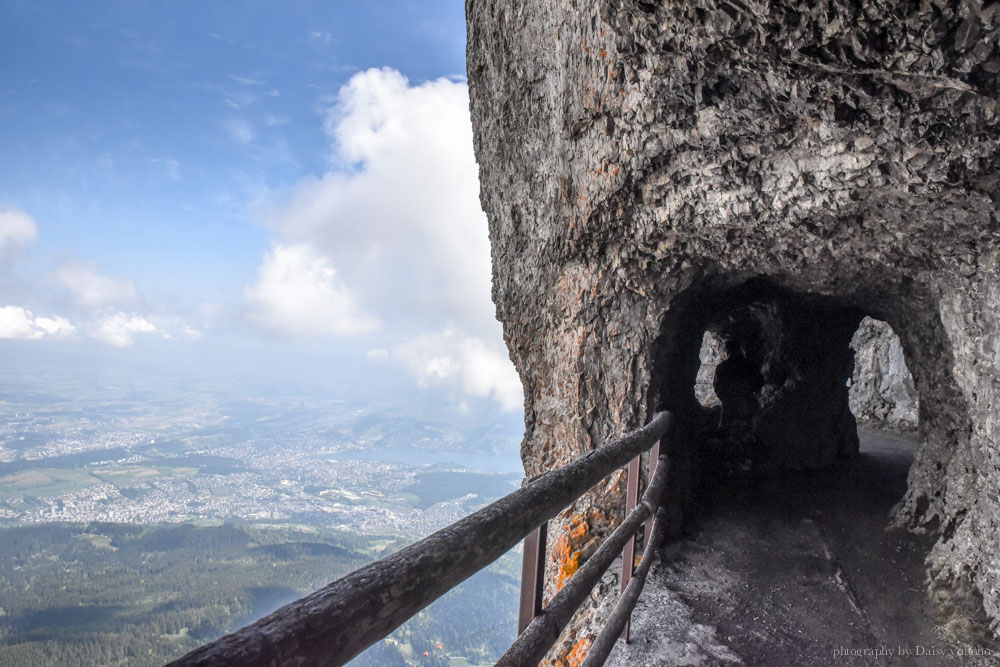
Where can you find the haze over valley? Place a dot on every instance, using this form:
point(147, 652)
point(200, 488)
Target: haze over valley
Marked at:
point(130, 514)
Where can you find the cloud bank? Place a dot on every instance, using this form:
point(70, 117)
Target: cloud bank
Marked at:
point(389, 246)
point(96, 302)
point(119, 329)
point(298, 292)
point(449, 358)
point(91, 289)
point(392, 239)
point(18, 323)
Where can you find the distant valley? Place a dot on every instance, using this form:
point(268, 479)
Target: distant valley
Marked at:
point(135, 526)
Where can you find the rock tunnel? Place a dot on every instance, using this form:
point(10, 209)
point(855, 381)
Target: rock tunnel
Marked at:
point(800, 343)
point(772, 172)
point(798, 348)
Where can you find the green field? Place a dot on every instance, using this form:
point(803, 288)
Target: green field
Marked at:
point(125, 476)
point(45, 482)
point(51, 482)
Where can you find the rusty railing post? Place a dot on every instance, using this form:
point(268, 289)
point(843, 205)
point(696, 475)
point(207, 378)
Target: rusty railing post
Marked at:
point(628, 554)
point(532, 576)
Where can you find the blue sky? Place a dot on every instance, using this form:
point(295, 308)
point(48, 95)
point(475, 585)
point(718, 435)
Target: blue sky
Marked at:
point(293, 175)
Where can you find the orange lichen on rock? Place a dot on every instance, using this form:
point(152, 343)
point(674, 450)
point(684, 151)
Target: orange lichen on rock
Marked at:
point(567, 548)
point(575, 657)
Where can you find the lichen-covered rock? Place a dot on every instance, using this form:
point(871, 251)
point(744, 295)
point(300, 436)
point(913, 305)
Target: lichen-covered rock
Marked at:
point(882, 392)
point(646, 166)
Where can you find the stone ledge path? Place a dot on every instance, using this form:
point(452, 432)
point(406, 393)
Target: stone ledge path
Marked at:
point(799, 569)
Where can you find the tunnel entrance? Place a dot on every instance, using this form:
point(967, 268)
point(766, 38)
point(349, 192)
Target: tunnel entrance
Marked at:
point(784, 568)
point(881, 391)
point(786, 551)
point(766, 374)
point(770, 380)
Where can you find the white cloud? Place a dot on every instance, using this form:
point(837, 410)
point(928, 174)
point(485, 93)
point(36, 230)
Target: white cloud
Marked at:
point(117, 330)
point(111, 310)
point(20, 323)
point(400, 217)
point(450, 358)
point(92, 289)
point(102, 307)
point(17, 228)
point(240, 130)
point(398, 226)
point(246, 80)
point(298, 292)
point(55, 326)
point(191, 333)
point(137, 324)
point(378, 354)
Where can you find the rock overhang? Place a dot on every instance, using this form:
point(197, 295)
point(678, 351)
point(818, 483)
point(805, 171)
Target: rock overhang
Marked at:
point(635, 154)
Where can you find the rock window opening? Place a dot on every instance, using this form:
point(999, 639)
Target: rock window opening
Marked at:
point(882, 393)
point(709, 355)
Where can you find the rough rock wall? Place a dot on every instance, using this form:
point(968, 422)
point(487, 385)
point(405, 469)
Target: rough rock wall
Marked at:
point(640, 158)
point(882, 392)
point(712, 351)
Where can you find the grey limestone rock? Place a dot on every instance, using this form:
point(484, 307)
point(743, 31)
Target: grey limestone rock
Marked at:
point(882, 391)
point(648, 166)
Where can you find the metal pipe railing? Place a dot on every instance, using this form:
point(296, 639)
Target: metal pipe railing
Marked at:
point(615, 626)
point(532, 576)
point(337, 622)
point(532, 644)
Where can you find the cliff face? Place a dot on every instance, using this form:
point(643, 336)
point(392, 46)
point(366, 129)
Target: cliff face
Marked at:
point(772, 172)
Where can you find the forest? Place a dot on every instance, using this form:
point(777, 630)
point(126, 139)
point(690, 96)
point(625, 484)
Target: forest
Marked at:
point(126, 594)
